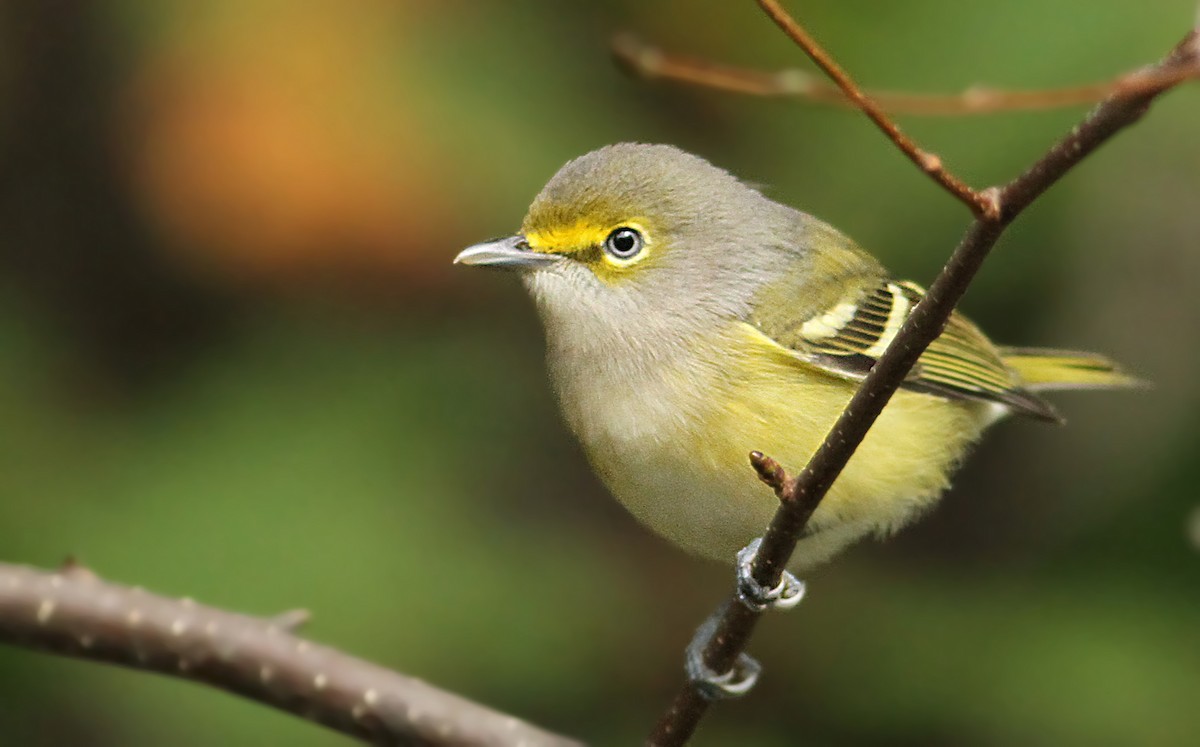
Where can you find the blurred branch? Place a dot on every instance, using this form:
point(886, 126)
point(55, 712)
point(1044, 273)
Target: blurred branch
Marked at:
point(76, 614)
point(982, 204)
point(801, 495)
point(653, 63)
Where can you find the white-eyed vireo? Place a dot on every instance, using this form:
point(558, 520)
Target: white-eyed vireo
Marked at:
point(690, 320)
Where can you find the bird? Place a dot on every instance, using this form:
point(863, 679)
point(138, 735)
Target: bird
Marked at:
point(690, 319)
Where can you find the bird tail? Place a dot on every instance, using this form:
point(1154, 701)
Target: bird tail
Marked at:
point(1047, 369)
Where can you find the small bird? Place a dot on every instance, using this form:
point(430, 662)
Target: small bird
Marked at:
point(689, 320)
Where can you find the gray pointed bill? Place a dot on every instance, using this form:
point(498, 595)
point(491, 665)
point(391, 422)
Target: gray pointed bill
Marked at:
point(510, 253)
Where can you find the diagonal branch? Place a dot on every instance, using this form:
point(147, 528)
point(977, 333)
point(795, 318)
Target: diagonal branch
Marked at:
point(980, 203)
point(799, 497)
point(74, 613)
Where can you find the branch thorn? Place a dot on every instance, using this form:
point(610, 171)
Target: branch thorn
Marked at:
point(291, 620)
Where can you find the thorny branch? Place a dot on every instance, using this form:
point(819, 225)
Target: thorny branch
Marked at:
point(799, 497)
point(76, 614)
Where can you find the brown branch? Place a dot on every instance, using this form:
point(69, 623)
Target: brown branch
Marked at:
point(652, 63)
point(980, 203)
point(800, 497)
point(74, 613)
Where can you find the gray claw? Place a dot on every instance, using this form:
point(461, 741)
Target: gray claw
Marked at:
point(713, 686)
point(751, 593)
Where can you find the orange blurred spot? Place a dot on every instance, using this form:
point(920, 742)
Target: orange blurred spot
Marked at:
point(270, 160)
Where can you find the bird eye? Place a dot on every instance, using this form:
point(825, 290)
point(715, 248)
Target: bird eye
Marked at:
point(624, 243)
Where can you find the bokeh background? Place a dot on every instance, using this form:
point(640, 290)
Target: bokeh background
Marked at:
point(237, 365)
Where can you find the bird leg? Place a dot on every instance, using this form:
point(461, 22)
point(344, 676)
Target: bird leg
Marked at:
point(753, 595)
point(711, 685)
point(757, 597)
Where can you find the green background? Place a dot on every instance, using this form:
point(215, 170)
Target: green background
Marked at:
point(337, 420)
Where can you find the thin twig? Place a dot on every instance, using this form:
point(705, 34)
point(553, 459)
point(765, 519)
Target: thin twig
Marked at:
point(799, 497)
point(979, 202)
point(74, 613)
point(653, 63)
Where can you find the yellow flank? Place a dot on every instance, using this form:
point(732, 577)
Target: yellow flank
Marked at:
point(692, 481)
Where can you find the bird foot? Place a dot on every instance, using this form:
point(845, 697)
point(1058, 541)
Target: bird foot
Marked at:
point(757, 597)
point(713, 686)
point(745, 670)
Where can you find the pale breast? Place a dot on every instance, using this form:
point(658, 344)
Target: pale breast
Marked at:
point(671, 442)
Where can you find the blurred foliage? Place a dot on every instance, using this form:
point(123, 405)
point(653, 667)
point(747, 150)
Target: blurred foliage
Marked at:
point(239, 367)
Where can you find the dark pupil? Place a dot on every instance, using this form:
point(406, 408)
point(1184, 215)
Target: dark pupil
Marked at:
point(624, 242)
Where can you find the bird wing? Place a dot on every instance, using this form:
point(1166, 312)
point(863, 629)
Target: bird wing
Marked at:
point(847, 337)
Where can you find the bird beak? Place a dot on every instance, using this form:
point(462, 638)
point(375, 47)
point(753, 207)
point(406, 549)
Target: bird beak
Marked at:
point(511, 253)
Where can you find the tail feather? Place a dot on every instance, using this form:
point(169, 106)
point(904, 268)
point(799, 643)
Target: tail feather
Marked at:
point(1047, 369)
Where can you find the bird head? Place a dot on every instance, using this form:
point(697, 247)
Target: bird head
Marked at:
point(647, 230)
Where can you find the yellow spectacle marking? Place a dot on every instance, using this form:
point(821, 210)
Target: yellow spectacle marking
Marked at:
point(586, 235)
point(569, 239)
